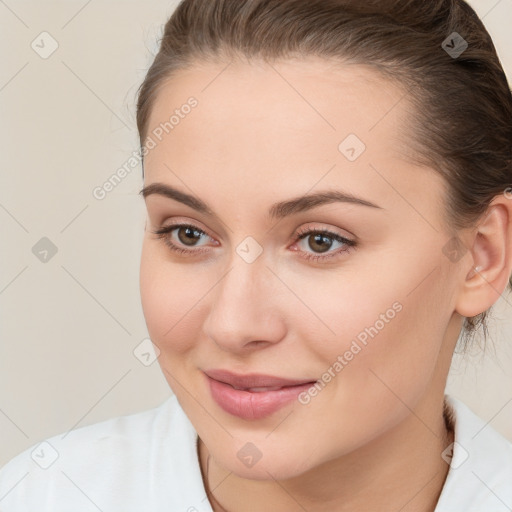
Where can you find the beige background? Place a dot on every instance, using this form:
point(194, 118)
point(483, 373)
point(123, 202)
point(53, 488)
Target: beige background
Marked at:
point(69, 327)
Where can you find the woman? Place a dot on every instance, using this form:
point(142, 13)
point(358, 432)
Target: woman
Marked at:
point(328, 186)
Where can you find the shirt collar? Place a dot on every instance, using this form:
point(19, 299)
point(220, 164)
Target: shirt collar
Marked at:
point(480, 474)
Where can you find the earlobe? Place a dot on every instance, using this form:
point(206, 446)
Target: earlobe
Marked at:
point(491, 255)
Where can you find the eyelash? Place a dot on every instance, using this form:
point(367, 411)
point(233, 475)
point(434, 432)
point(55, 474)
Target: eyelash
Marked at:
point(300, 235)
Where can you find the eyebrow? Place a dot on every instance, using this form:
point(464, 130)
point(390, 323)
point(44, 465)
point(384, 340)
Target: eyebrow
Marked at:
point(277, 210)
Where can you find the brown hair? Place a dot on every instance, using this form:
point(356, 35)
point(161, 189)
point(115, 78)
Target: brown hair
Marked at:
point(463, 103)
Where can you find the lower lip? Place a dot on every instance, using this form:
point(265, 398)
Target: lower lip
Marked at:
point(253, 405)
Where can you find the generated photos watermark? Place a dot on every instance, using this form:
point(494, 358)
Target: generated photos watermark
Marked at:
point(357, 345)
point(101, 191)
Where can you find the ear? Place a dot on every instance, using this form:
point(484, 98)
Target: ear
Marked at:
point(491, 253)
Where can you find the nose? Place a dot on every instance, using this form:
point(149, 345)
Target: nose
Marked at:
point(246, 309)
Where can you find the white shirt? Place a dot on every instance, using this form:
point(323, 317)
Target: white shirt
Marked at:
point(148, 462)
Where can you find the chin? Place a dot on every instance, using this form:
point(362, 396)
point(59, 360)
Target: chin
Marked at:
point(281, 467)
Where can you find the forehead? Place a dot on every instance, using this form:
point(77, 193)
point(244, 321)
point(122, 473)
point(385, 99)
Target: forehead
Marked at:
point(287, 105)
point(258, 125)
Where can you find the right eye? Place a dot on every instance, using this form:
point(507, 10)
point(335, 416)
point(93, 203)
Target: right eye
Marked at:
point(187, 234)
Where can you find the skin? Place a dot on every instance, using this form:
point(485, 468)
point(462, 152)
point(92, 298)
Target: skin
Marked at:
point(264, 133)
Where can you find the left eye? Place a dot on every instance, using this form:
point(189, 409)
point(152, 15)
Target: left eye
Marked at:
point(319, 240)
point(322, 240)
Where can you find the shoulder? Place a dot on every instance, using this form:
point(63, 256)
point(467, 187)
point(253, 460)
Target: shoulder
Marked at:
point(111, 465)
point(480, 474)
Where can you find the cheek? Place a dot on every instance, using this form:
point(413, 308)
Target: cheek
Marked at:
point(347, 310)
point(384, 355)
point(387, 336)
point(171, 298)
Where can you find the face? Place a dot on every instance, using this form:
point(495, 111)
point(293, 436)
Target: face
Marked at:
point(355, 295)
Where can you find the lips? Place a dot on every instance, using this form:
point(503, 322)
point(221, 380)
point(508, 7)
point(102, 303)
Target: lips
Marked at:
point(253, 396)
point(254, 382)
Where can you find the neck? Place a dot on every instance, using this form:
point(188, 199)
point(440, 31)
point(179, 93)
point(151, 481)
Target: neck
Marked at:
point(402, 469)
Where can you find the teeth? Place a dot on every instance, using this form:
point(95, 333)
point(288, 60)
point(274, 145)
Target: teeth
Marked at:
point(265, 389)
point(256, 390)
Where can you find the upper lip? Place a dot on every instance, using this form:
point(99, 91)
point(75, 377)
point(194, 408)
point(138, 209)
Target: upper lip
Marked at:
point(253, 380)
